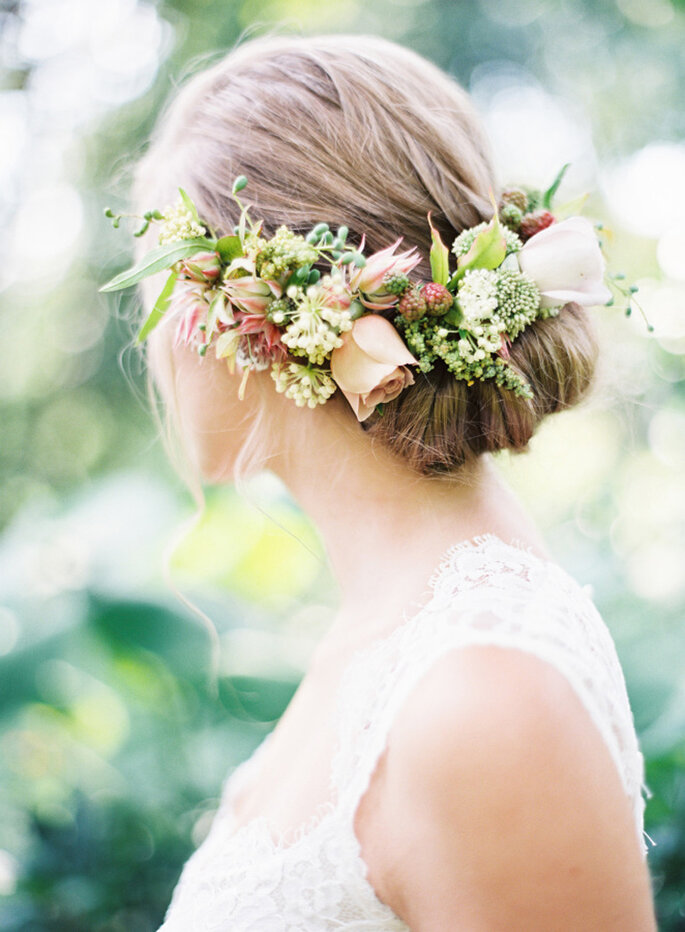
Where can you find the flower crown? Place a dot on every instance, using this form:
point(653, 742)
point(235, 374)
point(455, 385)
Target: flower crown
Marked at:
point(260, 302)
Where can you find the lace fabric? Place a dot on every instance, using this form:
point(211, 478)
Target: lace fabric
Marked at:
point(484, 591)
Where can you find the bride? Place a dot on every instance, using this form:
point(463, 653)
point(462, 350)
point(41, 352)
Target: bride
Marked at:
point(460, 754)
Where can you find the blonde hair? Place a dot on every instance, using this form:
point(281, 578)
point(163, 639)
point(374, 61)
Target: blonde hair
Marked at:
point(356, 130)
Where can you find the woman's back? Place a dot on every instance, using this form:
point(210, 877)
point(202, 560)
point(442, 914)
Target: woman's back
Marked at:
point(248, 874)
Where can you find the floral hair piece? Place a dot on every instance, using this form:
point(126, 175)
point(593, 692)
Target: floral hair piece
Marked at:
point(260, 301)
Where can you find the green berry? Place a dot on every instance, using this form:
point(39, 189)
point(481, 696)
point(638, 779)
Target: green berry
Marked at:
point(396, 282)
point(511, 216)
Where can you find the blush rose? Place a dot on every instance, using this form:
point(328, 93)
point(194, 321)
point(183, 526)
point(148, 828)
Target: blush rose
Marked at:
point(371, 365)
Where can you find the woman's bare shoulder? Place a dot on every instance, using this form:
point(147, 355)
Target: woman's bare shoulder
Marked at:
point(498, 786)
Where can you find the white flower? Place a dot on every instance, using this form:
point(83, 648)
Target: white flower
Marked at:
point(565, 262)
point(304, 384)
point(322, 315)
point(179, 224)
point(477, 296)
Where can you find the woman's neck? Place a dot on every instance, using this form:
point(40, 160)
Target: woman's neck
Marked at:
point(384, 527)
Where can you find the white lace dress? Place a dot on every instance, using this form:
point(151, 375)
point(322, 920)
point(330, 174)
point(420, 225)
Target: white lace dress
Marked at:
point(484, 591)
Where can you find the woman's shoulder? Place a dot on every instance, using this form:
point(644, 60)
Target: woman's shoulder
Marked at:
point(490, 708)
point(495, 763)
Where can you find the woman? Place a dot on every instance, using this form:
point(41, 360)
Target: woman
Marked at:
point(461, 753)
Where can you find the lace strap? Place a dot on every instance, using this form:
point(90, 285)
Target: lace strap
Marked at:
point(567, 633)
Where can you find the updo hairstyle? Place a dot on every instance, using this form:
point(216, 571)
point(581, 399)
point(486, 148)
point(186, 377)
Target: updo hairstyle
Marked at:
point(356, 130)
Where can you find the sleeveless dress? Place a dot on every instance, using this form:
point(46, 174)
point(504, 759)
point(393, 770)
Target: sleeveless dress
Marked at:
point(484, 591)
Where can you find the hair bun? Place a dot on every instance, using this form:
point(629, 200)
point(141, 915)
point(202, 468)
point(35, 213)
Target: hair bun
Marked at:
point(440, 424)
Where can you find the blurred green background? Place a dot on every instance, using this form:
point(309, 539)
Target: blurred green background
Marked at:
point(113, 740)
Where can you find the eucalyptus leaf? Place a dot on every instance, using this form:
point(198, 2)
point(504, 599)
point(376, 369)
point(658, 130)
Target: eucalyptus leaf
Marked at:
point(229, 248)
point(187, 200)
point(161, 304)
point(163, 257)
point(439, 256)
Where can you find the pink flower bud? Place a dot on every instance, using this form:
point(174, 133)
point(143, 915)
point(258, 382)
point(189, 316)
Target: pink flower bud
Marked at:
point(200, 267)
point(368, 280)
point(248, 292)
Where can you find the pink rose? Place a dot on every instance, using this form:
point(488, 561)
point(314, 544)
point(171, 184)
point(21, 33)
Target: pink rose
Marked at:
point(369, 366)
point(565, 262)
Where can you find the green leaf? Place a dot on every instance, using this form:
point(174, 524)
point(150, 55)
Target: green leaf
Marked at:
point(187, 200)
point(163, 257)
point(487, 250)
point(454, 316)
point(356, 309)
point(157, 312)
point(548, 196)
point(439, 256)
point(229, 248)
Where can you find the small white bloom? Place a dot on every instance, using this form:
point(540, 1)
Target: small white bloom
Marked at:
point(178, 224)
point(477, 296)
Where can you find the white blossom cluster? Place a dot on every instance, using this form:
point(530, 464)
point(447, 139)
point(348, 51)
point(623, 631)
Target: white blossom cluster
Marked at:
point(477, 296)
point(314, 331)
point(492, 303)
point(178, 224)
point(303, 384)
point(478, 300)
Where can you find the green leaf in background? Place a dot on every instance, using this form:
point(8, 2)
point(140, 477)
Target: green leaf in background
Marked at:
point(161, 304)
point(548, 196)
point(439, 256)
point(571, 208)
point(157, 259)
point(229, 248)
